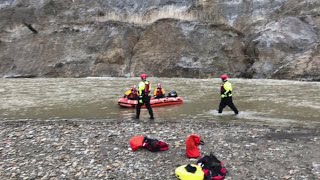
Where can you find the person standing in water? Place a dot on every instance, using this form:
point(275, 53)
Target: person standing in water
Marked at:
point(144, 98)
point(226, 95)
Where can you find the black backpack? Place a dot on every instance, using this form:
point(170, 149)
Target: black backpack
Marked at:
point(212, 167)
point(155, 145)
point(172, 94)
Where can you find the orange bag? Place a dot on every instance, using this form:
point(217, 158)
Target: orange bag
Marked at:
point(136, 142)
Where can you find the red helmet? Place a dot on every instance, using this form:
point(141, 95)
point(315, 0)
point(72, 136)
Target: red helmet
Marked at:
point(224, 77)
point(159, 85)
point(143, 76)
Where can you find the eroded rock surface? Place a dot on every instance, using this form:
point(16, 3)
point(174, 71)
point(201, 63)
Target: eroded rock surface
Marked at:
point(195, 38)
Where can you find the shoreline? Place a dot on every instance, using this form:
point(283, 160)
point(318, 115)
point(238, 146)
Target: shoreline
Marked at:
point(100, 149)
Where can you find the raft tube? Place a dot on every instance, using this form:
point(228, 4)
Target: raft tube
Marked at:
point(127, 103)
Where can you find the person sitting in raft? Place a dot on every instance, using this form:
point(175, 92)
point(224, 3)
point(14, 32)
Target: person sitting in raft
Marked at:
point(159, 92)
point(132, 93)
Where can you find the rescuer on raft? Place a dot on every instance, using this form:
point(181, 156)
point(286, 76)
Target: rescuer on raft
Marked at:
point(159, 92)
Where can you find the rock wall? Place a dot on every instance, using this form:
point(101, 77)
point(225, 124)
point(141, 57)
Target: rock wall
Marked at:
point(164, 38)
point(173, 48)
point(72, 50)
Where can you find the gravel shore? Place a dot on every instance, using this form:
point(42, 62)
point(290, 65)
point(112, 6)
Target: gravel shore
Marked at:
point(100, 150)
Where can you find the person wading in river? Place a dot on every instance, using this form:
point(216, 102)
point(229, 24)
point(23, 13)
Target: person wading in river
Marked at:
point(226, 95)
point(144, 98)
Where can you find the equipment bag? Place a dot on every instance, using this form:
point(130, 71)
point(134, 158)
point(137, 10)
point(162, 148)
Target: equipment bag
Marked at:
point(155, 145)
point(136, 142)
point(172, 94)
point(192, 143)
point(189, 172)
point(213, 168)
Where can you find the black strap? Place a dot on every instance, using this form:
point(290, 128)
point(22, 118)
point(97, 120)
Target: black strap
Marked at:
point(190, 168)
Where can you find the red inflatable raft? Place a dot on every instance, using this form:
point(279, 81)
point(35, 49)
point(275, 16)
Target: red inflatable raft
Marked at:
point(125, 102)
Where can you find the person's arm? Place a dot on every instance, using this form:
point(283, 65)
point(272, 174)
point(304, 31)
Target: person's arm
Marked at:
point(154, 92)
point(140, 88)
point(127, 93)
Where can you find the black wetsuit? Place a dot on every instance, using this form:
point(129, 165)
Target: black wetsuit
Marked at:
point(226, 98)
point(145, 100)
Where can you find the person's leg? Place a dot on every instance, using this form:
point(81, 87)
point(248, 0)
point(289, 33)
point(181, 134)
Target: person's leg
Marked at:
point(232, 106)
point(138, 108)
point(147, 103)
point(222, 105)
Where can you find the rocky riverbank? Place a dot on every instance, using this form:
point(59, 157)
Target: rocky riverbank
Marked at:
point(100, 150)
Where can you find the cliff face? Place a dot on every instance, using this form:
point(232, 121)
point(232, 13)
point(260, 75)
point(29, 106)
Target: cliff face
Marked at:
point(164, 38)
point(188, 49)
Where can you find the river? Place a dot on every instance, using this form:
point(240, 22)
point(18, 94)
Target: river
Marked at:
point(275, 102)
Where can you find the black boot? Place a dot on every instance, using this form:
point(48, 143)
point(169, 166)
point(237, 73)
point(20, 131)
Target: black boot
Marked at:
point(138, 112)
point(151, 114)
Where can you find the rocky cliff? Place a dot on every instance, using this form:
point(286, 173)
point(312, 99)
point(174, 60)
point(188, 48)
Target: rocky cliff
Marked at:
point(164, 38)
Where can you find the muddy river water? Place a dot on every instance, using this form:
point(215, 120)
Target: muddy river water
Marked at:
point(276, 102)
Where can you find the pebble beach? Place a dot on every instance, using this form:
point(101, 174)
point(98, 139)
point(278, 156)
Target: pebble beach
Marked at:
point(99, 149)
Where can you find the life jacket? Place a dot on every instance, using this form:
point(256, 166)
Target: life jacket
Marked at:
point(136, 142)
point(192, 143)
point(144, 88)
point(147, 88)
point(133, 94)
point(155, 145)
point(226, 89)
point(189, 172)
point(212, 168)
point(159, 92)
